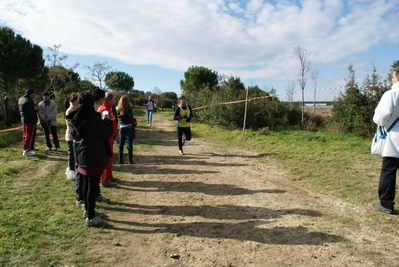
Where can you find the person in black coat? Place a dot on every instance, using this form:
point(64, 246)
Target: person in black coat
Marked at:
point(90, 133)
point(27, 109)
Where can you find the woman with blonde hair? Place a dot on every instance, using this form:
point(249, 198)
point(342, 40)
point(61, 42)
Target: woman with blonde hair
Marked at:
point(126, 127)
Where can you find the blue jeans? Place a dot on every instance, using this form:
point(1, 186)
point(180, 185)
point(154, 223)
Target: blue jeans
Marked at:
point(149, 116)
point(126, 133)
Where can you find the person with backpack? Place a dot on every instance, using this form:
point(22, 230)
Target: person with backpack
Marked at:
point(386, 113)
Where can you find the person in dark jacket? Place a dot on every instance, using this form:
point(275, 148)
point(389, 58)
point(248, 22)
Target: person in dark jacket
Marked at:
point(90, 133)
point(27, 109)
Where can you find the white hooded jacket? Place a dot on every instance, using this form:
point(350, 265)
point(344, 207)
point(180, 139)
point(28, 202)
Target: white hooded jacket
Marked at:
point(386, 112)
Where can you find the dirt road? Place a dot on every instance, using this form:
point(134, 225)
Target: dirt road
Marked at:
point(222, 206)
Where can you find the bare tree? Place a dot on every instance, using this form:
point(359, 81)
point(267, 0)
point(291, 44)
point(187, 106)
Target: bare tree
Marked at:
point(57, 71)
point(313, 75)
point(156, 91)
point(303, 56)
point(290, 89)
point(98, 72)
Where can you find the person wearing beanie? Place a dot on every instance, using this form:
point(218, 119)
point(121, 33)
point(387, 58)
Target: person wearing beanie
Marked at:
point(28, 119)
point(48, 121)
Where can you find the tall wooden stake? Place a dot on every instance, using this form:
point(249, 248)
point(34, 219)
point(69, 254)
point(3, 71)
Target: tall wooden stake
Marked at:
point(245, 114)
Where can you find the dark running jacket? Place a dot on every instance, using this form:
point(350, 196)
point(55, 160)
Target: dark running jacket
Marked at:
point(91, 136)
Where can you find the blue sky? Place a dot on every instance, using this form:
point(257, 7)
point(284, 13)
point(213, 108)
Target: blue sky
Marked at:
point(156, 41)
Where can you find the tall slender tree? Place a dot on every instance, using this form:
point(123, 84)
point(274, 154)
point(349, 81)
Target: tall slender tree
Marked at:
point(313, 75)
point(303, 57)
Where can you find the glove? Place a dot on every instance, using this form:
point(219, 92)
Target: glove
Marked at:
point(185, 118)
point(188, 119)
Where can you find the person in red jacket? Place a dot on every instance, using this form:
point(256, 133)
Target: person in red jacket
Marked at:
point(106, 110)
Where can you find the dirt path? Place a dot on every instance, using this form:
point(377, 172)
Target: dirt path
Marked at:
point(222, 206)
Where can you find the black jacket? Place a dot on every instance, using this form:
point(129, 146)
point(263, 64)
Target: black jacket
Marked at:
point(91, 135)
point(27, 110)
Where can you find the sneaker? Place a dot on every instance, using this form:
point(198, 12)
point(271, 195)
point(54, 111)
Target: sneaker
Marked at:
point(48, 149)
point(131, 162)
point(101, 198)
point(28, 153)
point(108, 184)
point(114, 180)
point(97, 214)
point(58, 149)
point(183, 141)
point(181, 152)
point(379, 207)
point(95, 222)
point(121, 162)
point(80, 203)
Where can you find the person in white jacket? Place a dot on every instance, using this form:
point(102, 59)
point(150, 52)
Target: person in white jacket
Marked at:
point(48, 120)
point(386, 112)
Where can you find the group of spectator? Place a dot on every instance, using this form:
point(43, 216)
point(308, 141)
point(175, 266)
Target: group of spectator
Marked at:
point(91, 129)
point(91, 120)
point(47, 112)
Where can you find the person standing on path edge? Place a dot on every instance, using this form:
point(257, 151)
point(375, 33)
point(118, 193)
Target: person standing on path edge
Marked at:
point(48, 121)
point(106, 110)
point(91, 134)
point(126, 128)
point(183, 115)
point(28, 119)
point(386, 112)
point(150, 109)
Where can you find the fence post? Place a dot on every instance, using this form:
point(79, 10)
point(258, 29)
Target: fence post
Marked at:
point(245, 114)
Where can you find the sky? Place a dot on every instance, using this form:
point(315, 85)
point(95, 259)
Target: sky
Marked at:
point(156, 41)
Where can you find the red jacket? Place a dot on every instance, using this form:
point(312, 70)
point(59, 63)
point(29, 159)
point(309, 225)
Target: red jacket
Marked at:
point(108, 107)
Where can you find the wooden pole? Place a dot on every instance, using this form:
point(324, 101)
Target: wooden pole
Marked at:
point(245, 114)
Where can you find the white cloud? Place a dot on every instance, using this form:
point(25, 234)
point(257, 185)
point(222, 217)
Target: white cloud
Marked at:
point(223, 35)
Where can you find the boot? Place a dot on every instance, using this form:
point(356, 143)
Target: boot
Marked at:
point(130, 155)
point(120, 154)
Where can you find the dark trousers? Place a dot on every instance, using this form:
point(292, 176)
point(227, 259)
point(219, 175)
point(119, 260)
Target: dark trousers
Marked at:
point(387, 185)
point(91, 189)
point(180, 131)
point(71, 156)
point(79, 187)
point(53, 129)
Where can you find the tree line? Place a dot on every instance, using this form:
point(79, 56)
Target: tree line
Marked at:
point(22, 66)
